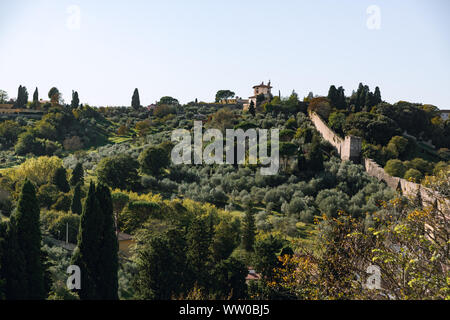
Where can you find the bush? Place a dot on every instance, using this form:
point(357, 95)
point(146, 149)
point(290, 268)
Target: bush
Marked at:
point(55, 223)
point(153, 159)
point(118, 172)
point(136, 213)
point(6, 204)
point(47, 195)
point(63, 203)
point(395, 168)
point(413, 175)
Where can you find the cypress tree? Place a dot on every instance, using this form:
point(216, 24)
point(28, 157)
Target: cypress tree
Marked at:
point(249, 231)
point(86, 255)
point(109, 264)
point(251, 109)
point(360, 97)
point(59, 179)
point(377, 96)
point(341, 103)
point(76, 206)
point(198, 254)
point(29, 240)
point(333, 95)
point(369, 99)
point(96, 252)
point(36, 96)
point(135, 101)
point(22, 97)
point(77, 175)
point(12, 263)
point(2, 243)
point(75, 100)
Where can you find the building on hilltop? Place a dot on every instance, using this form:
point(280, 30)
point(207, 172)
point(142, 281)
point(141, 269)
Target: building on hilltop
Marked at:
point(259, 89)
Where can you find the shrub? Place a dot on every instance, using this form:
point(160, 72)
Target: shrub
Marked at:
point(55, 223)
point(395, 168)
point(136, 213)
point(413, 175)
point(153, 159)
point(47, 195)
point(73, 143)
point(118, 172)
point(63, 203)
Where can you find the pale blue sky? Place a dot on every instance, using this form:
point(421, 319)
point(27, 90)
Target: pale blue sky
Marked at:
point(191, 49)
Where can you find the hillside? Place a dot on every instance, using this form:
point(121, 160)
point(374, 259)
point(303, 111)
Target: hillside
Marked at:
point(318, 218)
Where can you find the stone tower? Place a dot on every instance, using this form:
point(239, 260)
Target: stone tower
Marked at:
point(351, 149)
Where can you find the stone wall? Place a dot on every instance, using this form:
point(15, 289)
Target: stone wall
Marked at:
point(328, 134)
point(348, 148)
point(408, 188)
point(351, 149)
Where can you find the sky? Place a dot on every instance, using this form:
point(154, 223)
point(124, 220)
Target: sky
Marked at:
point(190, 49)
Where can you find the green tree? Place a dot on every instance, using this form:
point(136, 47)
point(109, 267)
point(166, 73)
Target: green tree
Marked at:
point(413, 175)
point(3, 96)
point(333, 95)
point(59, 179)
point(260, 98)
point(314, 156)
point(75, 103)
point(170, 101)
point(118, 172)
point(161, 262)
point(395, 168)
point(9, 133)
point(225, 240)
point(266, 256)
point(22, 97)
point(229, 278)
point(108, 252)
point(86, 255)
point(337, 121)
point(341, 103)
point(251, 108)
point(287, 150)
point(12, 263)
point(54, 95)
point(153, 159)
point(377, 96)
point(29, 240)
point(399, 147)
point(77, 175)
point(35, 103)
point(198, 252)
point(224, 94)
point(135, 100)
point(248, 231)
point(76, 205)
point(96, 251)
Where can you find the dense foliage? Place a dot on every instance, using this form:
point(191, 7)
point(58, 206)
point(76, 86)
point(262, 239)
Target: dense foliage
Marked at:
point(93, 176)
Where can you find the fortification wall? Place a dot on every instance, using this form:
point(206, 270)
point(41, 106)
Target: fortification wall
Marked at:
point(374, 170)
point(408, 188)
point(350, 149)
point(328, 134)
